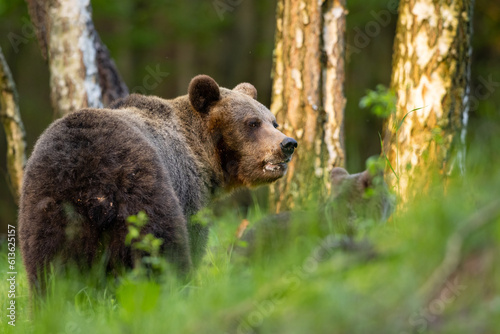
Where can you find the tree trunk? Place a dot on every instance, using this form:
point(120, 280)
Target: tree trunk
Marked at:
point(431, 74)
point(82, 73)
point(14, 128)
point(307, 97)
point(334, 17)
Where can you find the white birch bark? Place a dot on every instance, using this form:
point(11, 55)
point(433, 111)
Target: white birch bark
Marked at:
point(430, 77)
point(82, 73)
point(74, 79)
point(307, 96)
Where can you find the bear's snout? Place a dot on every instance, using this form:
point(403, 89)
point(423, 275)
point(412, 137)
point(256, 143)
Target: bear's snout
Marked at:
point(288, 145)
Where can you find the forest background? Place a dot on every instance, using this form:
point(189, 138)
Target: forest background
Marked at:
point(158, 46)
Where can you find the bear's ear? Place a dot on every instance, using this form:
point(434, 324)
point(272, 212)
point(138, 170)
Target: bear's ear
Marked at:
point(247, 89)
point(203, 91)
point(338, 175)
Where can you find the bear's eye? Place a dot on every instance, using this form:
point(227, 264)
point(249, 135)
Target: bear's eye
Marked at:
point(254, 123)
point(275, 125)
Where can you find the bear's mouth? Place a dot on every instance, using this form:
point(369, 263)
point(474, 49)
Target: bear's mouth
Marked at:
point(276, 166)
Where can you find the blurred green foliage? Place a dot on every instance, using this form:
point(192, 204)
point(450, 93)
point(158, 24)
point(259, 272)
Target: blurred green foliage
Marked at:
point(431, 268)
point(381, 102)
point(147, 244)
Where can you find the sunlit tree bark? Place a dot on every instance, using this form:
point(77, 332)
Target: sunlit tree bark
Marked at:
point(307, 97)
point(82, 73)
point(431, 70)
point(13, 126)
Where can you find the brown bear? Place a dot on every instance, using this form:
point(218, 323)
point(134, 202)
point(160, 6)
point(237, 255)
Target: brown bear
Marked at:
point(93, 168)
point(355, 197)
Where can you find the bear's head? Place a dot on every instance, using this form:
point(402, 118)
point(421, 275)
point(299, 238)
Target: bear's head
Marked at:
point(250, 147)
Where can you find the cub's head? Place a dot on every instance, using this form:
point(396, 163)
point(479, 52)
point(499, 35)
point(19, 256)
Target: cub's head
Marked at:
point(251, 149)
point(364, 195)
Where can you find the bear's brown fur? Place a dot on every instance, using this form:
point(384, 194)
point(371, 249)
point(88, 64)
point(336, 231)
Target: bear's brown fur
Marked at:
point(93, 168)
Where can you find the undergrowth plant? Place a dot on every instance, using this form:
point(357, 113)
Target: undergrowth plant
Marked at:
point(147, 244)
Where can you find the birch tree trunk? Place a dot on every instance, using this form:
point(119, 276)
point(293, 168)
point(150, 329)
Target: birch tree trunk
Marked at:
point(307, 96)
point(82, 73)
point(14, 128)
point(431, 75)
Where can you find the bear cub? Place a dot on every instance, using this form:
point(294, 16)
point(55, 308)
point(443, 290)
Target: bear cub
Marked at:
point(355, 197)
point(93, 168)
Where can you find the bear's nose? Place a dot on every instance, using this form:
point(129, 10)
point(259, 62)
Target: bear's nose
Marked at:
point(288, 145)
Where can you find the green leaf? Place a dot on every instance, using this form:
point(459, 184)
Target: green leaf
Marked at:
point(133, 233)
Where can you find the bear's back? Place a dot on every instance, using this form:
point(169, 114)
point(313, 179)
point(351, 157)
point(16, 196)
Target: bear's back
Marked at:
point(169, 129)
point(87, 155)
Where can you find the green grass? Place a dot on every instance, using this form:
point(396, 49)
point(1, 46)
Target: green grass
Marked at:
point(402, 289)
